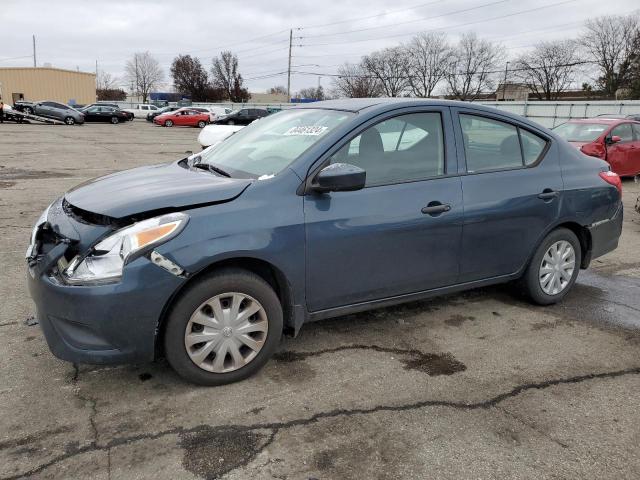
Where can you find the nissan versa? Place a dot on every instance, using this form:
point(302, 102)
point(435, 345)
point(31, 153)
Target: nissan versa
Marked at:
point(313, 212)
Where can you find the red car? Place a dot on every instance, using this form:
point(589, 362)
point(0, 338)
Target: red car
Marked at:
point(184, 117)
point(615, 140)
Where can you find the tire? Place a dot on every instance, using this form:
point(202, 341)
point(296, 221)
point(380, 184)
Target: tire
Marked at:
point(202, 124)
point(231, 122)
point(69, 120)
point(115, 120)
point(168, 123)
point(28, 110)
point(542, 288)
point(192, 304)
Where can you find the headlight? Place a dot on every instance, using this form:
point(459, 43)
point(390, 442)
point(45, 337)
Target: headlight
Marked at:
point(34, 232)
point(106, 260)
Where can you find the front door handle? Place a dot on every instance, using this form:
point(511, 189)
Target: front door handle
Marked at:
point(547, 194)
point(435, 208)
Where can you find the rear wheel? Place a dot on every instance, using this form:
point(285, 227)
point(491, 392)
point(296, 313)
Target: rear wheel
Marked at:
point(224, 328)
point(168, 123)
point(115, 120)
point(69, 120)
point(231, 122)
point(202, 124)
point(554, 268)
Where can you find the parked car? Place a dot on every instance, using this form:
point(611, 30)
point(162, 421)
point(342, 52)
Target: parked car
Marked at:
point(616, 141)
point(99, 113)
point(54, 110)
point(214, 134)
point(243, 116)
point(185, 117)
point(141, 110)
point(114, 105)
point(317, 211)
point(155, 113)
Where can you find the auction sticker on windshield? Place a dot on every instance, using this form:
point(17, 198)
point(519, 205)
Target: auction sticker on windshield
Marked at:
point(313, 130)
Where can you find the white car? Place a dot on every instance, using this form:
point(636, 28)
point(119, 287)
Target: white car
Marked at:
point(214, 134)
point(141, 110)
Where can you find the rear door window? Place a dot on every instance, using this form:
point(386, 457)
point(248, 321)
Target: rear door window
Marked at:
point(491, 144)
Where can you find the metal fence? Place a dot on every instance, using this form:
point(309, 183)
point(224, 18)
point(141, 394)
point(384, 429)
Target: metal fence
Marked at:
point(550, 114)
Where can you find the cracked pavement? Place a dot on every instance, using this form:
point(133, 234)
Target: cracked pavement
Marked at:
point(473, 385)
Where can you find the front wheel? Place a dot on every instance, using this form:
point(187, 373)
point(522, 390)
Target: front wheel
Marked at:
point(69, 120)
point(115, 120)
point(231, 122)
point(168, 123)
point(28, 110)
point(223, 328)
point(554, 267)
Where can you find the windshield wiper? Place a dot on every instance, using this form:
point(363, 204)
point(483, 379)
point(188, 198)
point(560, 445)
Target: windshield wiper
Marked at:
point(212, 168)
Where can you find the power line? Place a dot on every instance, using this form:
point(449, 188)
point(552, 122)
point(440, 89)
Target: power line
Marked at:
point(351, 20)
point(15, 58)
point(498, 17)
point(486, 72)
point(463, 10)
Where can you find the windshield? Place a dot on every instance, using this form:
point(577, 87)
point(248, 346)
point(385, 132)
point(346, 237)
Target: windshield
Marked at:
point(268, 146)
point(580, 132)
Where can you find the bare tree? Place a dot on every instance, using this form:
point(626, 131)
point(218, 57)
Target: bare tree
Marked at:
point(226, 76)
point(354, 82)
point(312, 92)
point(189, 76)
point(278, 90)
point(549, 69)
point(144, 71)
point(609, 42)
point(389, 67)
point(427, 58)
point(106, 81)
point(470, 70)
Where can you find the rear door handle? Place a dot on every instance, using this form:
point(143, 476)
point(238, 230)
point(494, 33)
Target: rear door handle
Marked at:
point(435, 208)
point(547, 194)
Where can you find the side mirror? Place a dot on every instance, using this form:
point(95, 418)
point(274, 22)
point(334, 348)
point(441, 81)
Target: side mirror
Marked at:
point(339, 177)
point(613, 139)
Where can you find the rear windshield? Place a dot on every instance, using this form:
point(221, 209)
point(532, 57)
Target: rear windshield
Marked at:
point(580, 132)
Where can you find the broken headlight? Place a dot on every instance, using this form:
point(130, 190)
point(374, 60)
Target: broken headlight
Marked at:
point(106, 260)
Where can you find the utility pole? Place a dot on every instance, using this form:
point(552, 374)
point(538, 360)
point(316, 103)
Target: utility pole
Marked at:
point(504, 83)
point(35, 64)
point(289, 68)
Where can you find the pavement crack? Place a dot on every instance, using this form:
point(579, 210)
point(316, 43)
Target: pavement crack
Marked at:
point(532, 426)
point(87, 401)
point(276, 427)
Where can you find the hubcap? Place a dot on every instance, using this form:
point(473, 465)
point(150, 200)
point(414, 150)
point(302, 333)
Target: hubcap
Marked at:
point(226, 332)
point(556, 268)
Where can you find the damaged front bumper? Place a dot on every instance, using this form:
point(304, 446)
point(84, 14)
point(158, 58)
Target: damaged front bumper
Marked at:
point(109, 323)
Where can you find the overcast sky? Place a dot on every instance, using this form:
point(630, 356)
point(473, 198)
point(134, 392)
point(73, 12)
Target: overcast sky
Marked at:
point(75, 33)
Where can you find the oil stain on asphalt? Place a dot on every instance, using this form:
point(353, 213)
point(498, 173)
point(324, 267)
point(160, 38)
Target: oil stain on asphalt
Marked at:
point(433, 364)
point(210, 453)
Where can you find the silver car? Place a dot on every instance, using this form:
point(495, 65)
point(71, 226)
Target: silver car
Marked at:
point(58, 111)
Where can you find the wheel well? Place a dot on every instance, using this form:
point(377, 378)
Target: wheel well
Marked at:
point(584, 236)
point(270, 274)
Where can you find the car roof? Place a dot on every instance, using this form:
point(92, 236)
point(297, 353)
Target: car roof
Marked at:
point(602, 120)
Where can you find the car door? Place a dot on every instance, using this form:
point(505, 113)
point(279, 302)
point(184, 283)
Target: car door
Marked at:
point(243, 117)
point(91, 114)
point(620, 154)
point(512, 188)
point(634, 159)
point(401, 233)
point(43, 109)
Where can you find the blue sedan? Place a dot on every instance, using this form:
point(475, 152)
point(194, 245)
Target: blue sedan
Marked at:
point(313, 212)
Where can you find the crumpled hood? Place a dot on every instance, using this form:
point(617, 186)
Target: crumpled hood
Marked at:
point(156, 187)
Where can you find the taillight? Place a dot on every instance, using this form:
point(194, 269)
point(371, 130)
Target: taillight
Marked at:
point(612, 178)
